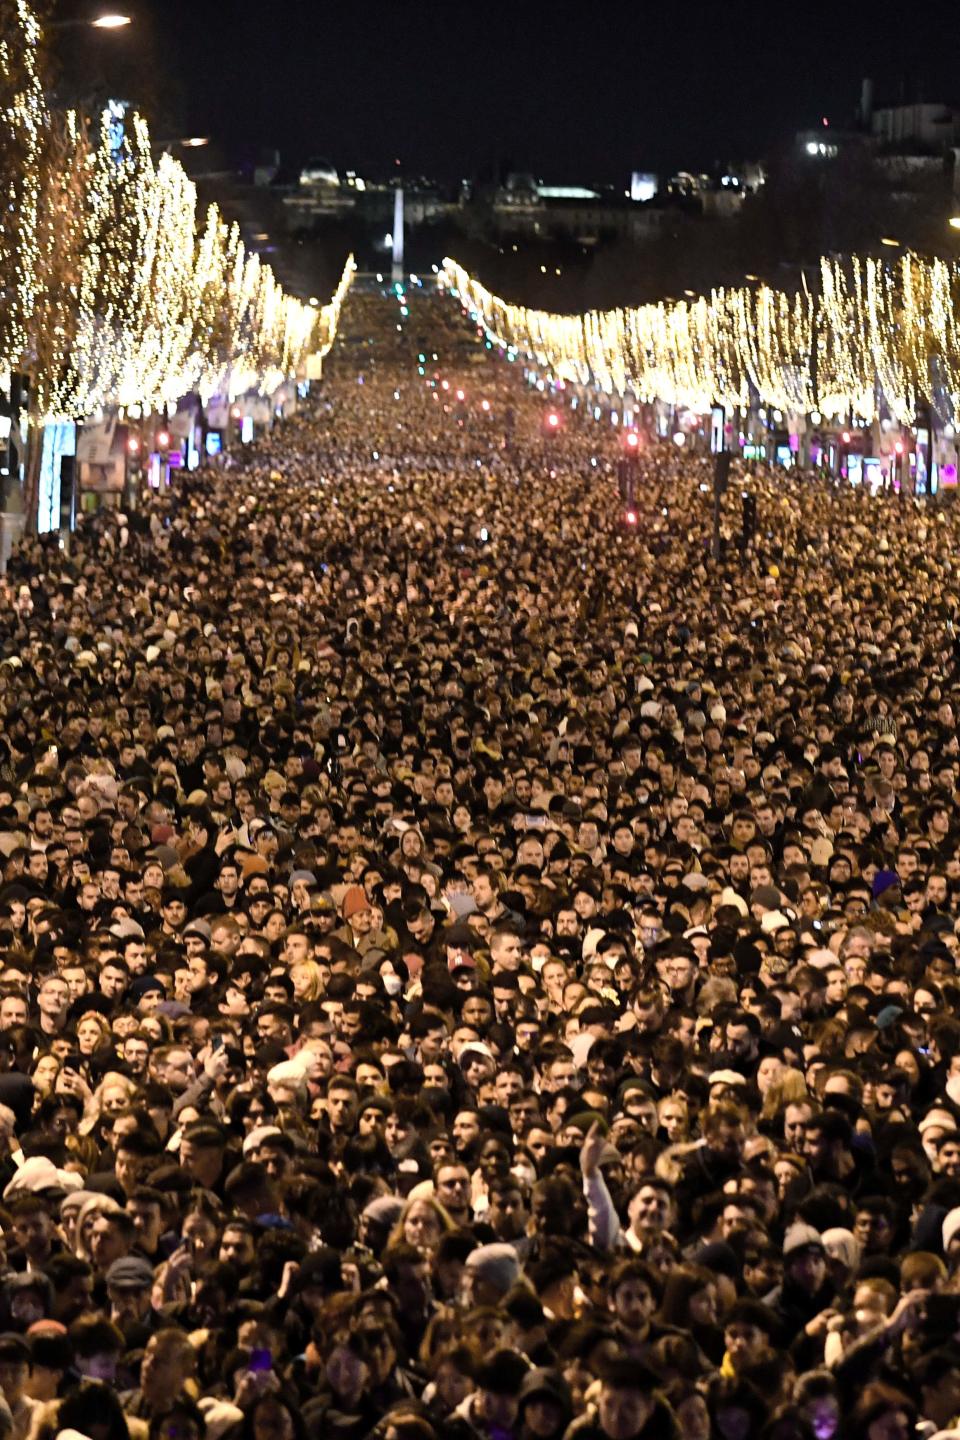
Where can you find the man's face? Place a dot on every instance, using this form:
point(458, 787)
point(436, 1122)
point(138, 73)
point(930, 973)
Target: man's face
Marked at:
point(453, 1187)
point(176, 1071)
point(54, 998)
point(33, 1234)
point(341, 1108)
point(465, 1129)
point(948, 1158)
point(146, 1218)
point(174, 914)
point(623, 1413)
point(476, 1011)
point(808, 1270)
point(106, 1243)
point(633, 1303)
point(744, 1342)
point(128, 1305)
point(236, 1247)
point(507, 953)
point(13, 1012)
point(651, 1209)
point(795, 1118)
point(113, 980)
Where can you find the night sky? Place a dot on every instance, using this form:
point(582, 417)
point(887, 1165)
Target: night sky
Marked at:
point(571, 92)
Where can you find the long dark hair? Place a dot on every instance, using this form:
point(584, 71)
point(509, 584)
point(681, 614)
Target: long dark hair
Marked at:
point(93, 1405)
point(279, 1397)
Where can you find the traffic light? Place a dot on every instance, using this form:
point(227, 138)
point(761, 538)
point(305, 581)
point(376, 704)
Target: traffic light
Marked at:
point(630, 517)
point(631, 442)
point(551, 422)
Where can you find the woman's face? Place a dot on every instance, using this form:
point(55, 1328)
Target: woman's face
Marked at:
point(702, 1306)
point(89, 1036)
point(422, 1226)
point(201, 1234)
point(396, 1132)
point(275, 926)
point(785, 1175)
point(301, 977)
point(346, 1373)
point(768, 1072)
point(45, 1073)
point(673, 1118)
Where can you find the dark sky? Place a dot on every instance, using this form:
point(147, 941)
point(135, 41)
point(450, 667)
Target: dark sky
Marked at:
point(586, 91)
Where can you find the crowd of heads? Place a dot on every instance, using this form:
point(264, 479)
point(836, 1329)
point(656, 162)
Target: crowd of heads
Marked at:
point(472, 968)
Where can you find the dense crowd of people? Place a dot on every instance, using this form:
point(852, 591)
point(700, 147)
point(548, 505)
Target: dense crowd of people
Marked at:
point(472, 968)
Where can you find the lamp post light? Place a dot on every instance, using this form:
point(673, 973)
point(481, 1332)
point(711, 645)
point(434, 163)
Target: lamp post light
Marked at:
point(99, 22)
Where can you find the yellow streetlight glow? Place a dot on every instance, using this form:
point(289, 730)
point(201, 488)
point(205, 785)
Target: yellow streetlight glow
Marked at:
point(111, 22)
point(954, 222)
point(885, 240)
point(196, 142)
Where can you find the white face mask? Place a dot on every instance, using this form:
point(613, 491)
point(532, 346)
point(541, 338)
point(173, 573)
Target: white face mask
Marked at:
point(392, 984)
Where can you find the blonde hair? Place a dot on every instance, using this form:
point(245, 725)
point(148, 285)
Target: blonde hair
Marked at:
point(789, 1088)
point(443, 1216)
point(315, 988)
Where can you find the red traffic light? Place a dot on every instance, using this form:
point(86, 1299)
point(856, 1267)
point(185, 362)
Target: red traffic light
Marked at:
point(898, 447)
point(632, 440)
point(163, 439)
point(553, 420)
point(631, 517)
point(846, 437)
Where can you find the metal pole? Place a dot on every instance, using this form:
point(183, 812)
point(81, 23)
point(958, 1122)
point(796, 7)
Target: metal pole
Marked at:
point(721, 473)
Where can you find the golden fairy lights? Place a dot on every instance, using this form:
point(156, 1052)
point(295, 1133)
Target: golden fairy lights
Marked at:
point(876, 337)
point(112, 291)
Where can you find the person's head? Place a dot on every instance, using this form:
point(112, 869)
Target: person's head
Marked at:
point(112, 1236)
point(627, 1398)
point(747, 1329)
point(181, 1420)
point(634, 1291)
point(129, 1283)
point(14, 1368)
point(97, 1347)
point(169, 1361)
point(422, 1224)
point(804, 1258)
point(817, 1395)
